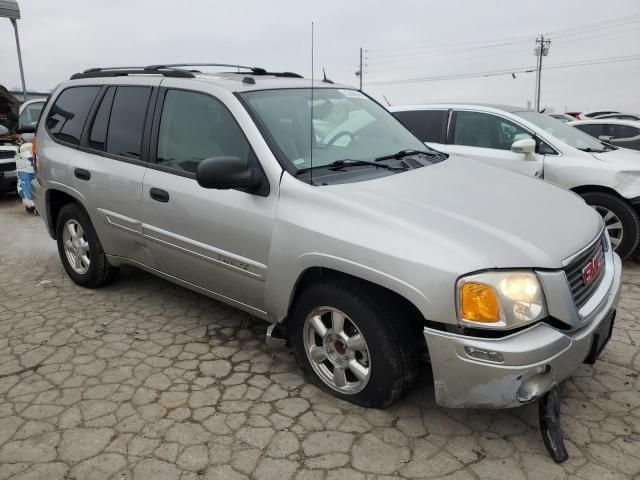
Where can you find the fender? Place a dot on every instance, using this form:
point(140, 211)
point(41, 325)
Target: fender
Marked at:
point(280, 294)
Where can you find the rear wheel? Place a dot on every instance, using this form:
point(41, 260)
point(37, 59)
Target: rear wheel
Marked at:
point(80, 249)
point(620, 219)
point(353, 344)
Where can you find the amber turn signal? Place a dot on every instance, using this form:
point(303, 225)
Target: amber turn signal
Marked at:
point(479, 303)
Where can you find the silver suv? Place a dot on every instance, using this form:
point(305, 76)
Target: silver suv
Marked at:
point(317, 211)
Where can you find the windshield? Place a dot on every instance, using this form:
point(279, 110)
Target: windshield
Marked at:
point(566, 133)
point(347, 125)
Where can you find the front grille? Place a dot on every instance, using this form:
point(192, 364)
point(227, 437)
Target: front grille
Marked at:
point(581, 292)
point(7, 167)
point(4, 154)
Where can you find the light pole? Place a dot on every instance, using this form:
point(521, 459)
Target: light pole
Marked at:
point(9, 9)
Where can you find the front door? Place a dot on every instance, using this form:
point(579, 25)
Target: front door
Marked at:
point(488, 138)
point(218, 240)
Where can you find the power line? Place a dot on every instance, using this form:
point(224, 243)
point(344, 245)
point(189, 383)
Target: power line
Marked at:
point(509, 71)
point(575, 30)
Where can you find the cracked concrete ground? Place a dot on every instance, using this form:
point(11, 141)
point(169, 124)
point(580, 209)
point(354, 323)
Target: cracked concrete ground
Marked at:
point(146, 380)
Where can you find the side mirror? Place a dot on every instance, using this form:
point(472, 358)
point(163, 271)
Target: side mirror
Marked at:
point(26, 129)
point(605, 138)
point(526, 146)
point(225, 173)
point(3, 130)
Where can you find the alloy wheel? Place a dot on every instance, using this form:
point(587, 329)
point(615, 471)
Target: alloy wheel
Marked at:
point(613, 224)
point(337, 350)
point(76, 246)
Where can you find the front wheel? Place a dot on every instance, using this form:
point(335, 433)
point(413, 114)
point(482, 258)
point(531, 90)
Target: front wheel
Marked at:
point(353, 343)
point(620, 219)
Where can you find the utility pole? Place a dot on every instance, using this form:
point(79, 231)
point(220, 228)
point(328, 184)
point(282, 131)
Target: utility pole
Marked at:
point(360, 71)
point(541, 50)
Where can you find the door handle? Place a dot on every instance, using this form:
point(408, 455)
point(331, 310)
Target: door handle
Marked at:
point(159, 195)
point(82, 174)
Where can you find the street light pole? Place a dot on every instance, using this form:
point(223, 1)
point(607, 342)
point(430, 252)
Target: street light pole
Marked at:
point(14, 22)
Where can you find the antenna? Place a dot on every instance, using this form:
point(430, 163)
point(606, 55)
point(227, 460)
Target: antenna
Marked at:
point(386, 100)
point(311, 118)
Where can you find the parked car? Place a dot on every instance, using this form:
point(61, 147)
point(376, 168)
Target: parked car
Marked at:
point(8, 152)
point(527, 142)
point(359, 245)
point(563, 117)
point(618, 116)
point(29, 115)
point(622, 133)
point(595, 113)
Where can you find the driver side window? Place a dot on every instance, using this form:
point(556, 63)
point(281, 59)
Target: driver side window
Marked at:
point(194, 127)
point(477, 129)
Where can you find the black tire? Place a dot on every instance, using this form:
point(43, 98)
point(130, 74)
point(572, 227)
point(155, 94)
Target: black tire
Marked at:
point(627, 215)
point(100, 271)
point(393, 350)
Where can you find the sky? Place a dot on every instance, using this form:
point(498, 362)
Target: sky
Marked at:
point(402, 39)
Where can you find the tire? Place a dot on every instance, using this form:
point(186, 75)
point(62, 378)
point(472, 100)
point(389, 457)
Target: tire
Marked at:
point(610, 206)
point(92, 268)
point(390, 354)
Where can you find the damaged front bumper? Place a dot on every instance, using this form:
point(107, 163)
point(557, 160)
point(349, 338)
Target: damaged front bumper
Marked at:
point(519, 368)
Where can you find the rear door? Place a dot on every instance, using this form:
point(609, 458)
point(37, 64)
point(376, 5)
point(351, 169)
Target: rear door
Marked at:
point(110, 165)
point(217, 240)
point(488, 137)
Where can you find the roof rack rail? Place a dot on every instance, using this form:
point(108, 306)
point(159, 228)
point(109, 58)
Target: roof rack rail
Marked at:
point(254, 70)
point(124, 71)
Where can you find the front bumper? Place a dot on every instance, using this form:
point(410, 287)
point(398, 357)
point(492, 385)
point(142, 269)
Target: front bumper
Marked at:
point(534, 360)
point(8, 181)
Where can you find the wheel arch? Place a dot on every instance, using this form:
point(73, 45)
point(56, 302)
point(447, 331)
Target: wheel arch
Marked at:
point(314, 274)
point(596, 188)
point(55, 200)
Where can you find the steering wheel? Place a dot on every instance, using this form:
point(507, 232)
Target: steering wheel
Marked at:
point(338, 135)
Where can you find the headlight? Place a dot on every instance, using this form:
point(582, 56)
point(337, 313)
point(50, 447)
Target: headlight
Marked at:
point(500, 299)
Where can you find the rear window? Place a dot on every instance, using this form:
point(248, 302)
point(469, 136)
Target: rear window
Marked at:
point(68, 114)
point(427, 125)
point(126, 122)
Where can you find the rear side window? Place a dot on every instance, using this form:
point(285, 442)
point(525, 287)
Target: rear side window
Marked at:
point(126, 122)
point(69, 112)
point(623, 131)
point(427, 125)
point(98, 134)
point(593, 129)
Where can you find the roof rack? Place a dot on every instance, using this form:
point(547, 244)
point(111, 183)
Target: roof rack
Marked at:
point(253, 70)
point(174, 70)
point(124, 71)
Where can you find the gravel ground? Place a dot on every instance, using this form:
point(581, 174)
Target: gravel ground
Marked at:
point(146, 380)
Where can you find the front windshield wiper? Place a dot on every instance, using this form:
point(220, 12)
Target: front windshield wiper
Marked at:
point(348, 162)
point(410, 151)
point(592, 150)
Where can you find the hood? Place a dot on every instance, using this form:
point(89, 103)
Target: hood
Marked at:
point(477, 214)
point(626, 158)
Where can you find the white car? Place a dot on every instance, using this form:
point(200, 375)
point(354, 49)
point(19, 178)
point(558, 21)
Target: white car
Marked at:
point(563, 117)
point(622, 133)
point(596, 113)
point(29, 115)
point(534, 144)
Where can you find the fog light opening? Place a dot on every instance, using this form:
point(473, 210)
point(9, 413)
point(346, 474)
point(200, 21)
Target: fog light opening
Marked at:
point(484, 355)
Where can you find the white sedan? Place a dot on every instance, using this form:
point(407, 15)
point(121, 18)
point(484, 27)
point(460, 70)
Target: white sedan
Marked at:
point(531, 143)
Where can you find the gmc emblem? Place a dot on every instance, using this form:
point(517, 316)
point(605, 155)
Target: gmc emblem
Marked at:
point(591, 269)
